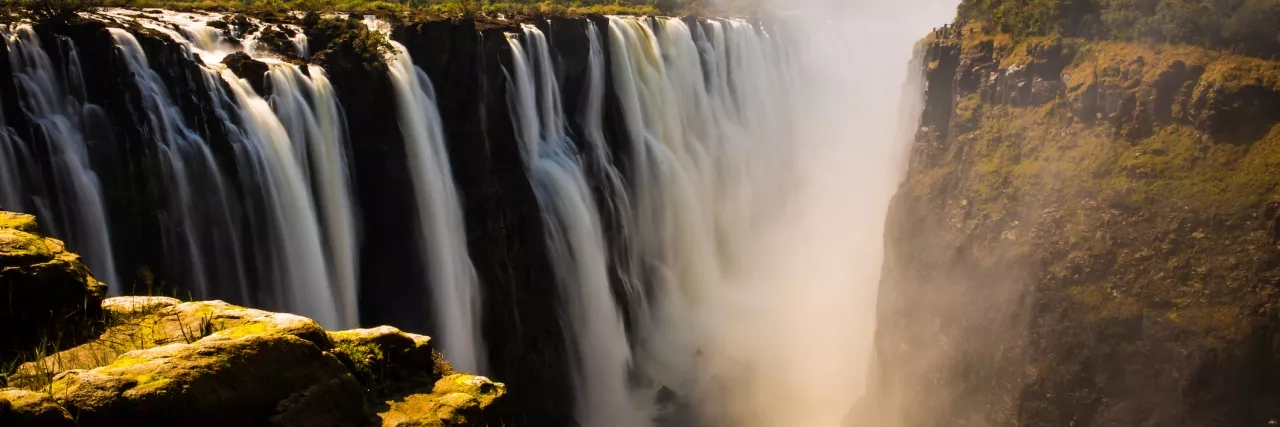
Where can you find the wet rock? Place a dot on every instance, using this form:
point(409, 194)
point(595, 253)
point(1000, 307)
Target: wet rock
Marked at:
point(22, 408)
point(278, 40)
point(249, 69)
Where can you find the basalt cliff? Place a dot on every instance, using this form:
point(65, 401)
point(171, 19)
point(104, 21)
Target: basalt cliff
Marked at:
point(1087, 235)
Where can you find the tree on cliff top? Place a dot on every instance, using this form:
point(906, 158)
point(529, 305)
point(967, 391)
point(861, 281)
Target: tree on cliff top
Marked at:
point(1249, 26)
point(44, 10)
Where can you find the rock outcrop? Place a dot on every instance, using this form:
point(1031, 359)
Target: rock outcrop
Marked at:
point(163, 362)
point(1087, 237)
point(25, 408)
point(50, 297)
point(456, 400)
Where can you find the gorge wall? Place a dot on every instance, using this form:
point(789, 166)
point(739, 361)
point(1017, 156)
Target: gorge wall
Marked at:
point(1086, 237)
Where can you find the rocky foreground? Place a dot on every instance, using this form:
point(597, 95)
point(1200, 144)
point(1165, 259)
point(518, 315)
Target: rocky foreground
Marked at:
point(151, 361)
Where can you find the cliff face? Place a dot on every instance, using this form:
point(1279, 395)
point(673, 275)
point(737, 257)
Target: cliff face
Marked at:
point(466, 61)
point(1087, 236)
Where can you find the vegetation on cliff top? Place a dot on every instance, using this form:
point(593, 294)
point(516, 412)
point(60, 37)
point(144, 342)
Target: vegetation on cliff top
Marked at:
point(63, 9)
point(1249, 26)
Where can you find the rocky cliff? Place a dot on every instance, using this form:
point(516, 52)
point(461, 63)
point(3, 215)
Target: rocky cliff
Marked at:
point(1087, 236)
point(157, 361)
point(466, 59)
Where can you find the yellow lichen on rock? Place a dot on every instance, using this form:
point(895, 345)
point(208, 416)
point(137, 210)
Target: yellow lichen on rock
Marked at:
point(23, 408)
point(387, 360)
point(138, 323)
point(257, 376)
point(457, 400)
point(18, 221)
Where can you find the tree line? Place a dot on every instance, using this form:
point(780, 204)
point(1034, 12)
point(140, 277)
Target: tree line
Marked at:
point(1247, 26)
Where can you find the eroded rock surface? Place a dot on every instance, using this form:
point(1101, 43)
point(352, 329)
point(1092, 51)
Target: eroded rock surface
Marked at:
point(457, 400)
point(24, 408)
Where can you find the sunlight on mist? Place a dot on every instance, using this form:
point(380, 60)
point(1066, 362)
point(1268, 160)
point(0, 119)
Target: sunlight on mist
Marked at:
point(790, 341)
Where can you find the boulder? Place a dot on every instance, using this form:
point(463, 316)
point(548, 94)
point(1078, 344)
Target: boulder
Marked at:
point(457, 400)
point(278, 39)
point(53, 300)
point(386, 360)
point(222, 379)
point(23, 408)
point(252, 70)
point(138, 323)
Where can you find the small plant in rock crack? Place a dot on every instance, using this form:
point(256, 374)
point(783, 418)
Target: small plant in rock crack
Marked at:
point(202, 328)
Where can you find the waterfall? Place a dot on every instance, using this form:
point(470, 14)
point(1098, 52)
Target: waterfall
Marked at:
point(674, 232)
point(13, 156)
point(599, 353)
point(309, 110)
point(53, 101)
point(616, 200)
point(298, 267)
point(201, 234)
point(441, 233)
point(294, 181)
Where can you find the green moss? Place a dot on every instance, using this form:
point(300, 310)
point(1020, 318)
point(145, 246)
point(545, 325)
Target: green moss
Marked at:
point(251, 328)
point(150, 381)
point(17, 221)
point(126, 361)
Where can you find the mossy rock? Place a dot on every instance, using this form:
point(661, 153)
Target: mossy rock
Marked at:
point(55, 301)
point(456, 401)
point(18, 221)
point(138, 323)
point(1120, 237)
point(23, 408)
point(267, 379)
point(386, 360)
point(278, 40)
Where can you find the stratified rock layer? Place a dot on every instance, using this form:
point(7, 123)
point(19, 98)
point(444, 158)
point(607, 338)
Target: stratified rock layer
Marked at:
point(1087, 237)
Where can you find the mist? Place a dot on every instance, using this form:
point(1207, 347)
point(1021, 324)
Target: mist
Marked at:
point(787, 338)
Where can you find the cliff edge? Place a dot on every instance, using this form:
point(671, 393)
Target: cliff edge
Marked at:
point(1087, 237)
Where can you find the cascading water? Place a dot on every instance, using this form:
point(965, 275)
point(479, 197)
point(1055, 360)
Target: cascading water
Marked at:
point(599, 353)
point(706, 262)
point(13, 155)
point(308, 108)
point(291, 157)
point(201, 230)
point(298, 264)
point(674, 232)
point(53, 101)
point(441, 234)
